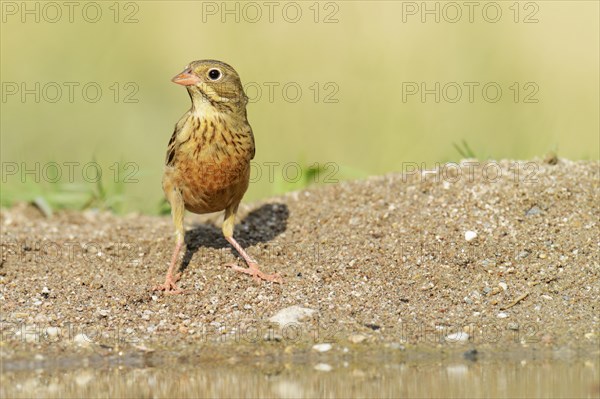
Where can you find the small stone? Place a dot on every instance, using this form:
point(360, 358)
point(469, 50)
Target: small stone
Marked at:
point(143, 348)
point(533, 211)
point(291, 315)
point(513, 326)
point(551, 158)
point(471, 355)
point(547, 297)
point(82, 340)
point(470, 235)
point(502, 315)
point(357, 338)
point(272, 336)
point(53, 332)
point(503, 285)
point(459, 337)
point(322, 347)
point(373, 326)
point(103, 312)
point(323, 367)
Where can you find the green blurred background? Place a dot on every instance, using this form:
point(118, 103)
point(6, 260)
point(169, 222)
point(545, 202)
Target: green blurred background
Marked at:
point(353, 62)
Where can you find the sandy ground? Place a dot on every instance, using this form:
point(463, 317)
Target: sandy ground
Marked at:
point(495, 257)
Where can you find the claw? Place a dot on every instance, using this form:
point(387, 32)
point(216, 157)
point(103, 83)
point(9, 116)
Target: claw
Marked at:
point(256, 273)
point(169, 286)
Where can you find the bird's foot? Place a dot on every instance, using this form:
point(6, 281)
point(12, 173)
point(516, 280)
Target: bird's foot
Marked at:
point(169, 287)
point(255, 272)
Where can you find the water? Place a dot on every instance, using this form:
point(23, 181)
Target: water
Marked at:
point(147, 377)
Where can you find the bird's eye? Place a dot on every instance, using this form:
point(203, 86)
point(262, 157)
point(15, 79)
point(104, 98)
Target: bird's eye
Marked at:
point(214, 74)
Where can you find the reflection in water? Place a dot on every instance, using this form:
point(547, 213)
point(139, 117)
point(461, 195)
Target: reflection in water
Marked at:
point(319, 379)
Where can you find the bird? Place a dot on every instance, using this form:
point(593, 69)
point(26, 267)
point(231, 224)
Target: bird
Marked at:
point(207, 165)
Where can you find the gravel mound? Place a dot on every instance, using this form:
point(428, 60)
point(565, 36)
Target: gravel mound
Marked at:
point(500, 256)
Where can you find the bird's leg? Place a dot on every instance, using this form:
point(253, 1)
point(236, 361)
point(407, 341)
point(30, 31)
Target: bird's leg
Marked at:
point(177, 211)
point(252, 268)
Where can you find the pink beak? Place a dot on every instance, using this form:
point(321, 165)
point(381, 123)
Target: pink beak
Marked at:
point(186, 78)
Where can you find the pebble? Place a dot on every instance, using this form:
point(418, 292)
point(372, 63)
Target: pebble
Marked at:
point(292, 314)
point(357, 338)
point(502, 315)
point(470, 235)
point(503, 285)
point(533, 211)
point(82, 340)
point(323, 367)
point(52, 332)
point(322, 347)
point(272, 336)
point(460, 337)
point(41, 318)
point(471, 355)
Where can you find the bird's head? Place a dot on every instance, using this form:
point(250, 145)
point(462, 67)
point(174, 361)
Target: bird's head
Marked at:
point(212, 82)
